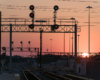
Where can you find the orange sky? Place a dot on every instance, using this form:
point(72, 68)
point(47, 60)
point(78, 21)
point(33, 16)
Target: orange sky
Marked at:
point(44, 9)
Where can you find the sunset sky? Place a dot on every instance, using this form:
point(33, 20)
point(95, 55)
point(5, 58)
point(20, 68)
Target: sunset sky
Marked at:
point(44, 9)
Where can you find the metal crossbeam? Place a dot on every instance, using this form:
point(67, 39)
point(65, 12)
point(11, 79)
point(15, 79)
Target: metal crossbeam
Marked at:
point(18, 49)
point(22, 25)
point(45, 28)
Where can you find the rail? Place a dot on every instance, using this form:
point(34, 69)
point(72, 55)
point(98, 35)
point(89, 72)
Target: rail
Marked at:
point(29, 75)
point(76, 77)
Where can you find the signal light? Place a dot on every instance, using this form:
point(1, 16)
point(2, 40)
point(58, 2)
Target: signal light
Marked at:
point(31, 7)
point(31, 26)
point(29, 49)
point(3, 54)
point(29, 42)
point(3, 48)
point(56, 26)
point(35, 48)
point(31, 15)
point(12, 49)
point(21, 49)
point(56, 7)
point(21, 42)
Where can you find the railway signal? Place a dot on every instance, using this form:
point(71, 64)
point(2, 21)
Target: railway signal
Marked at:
point(21, 49)
point(53, 27)
point(21, 42)
point(31, 26)
point(11, 48)
point(29, 49)
point(4, 54)
point(35, 49)
point(29, 42)
point(32, 16)
point(56, 7)
point(31, 7)
point(12, 42)
point(21, 45)
point(3, 48)
point(56, 26)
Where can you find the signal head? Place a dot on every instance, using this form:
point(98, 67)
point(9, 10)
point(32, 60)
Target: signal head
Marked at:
point(35, 49)
point(29, 49)
point(56, 26)
point(12, 49)
point(21, 49)
point(29, 42)
point(56, 7)
point(31, 15)
point(3, 48)
point(21, 42)
point(31, 26)
point(31, 7)
point(3, 54)
point(12, 42)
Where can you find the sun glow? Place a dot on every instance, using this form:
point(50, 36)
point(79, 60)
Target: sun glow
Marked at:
point(85, 55)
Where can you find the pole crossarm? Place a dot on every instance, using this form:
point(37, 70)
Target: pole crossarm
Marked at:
point(18, 49)
point(65, 25)
point(46, 20)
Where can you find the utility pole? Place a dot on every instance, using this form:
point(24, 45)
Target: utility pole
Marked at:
point(72, 35)
point(40, 45)
point(51, 46)
point(0, 42)
point(78, 43)
point(89, 31)
point(10, 48)
point(75, 45)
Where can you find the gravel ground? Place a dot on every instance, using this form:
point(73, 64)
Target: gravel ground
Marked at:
point(38, 74)
point(41, 76)
point(93, 71)
point(15, 70)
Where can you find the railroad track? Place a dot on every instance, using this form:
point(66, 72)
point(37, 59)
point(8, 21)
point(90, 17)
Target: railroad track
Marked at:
point(28, 75)
point(50, 74)
point(54, 76)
